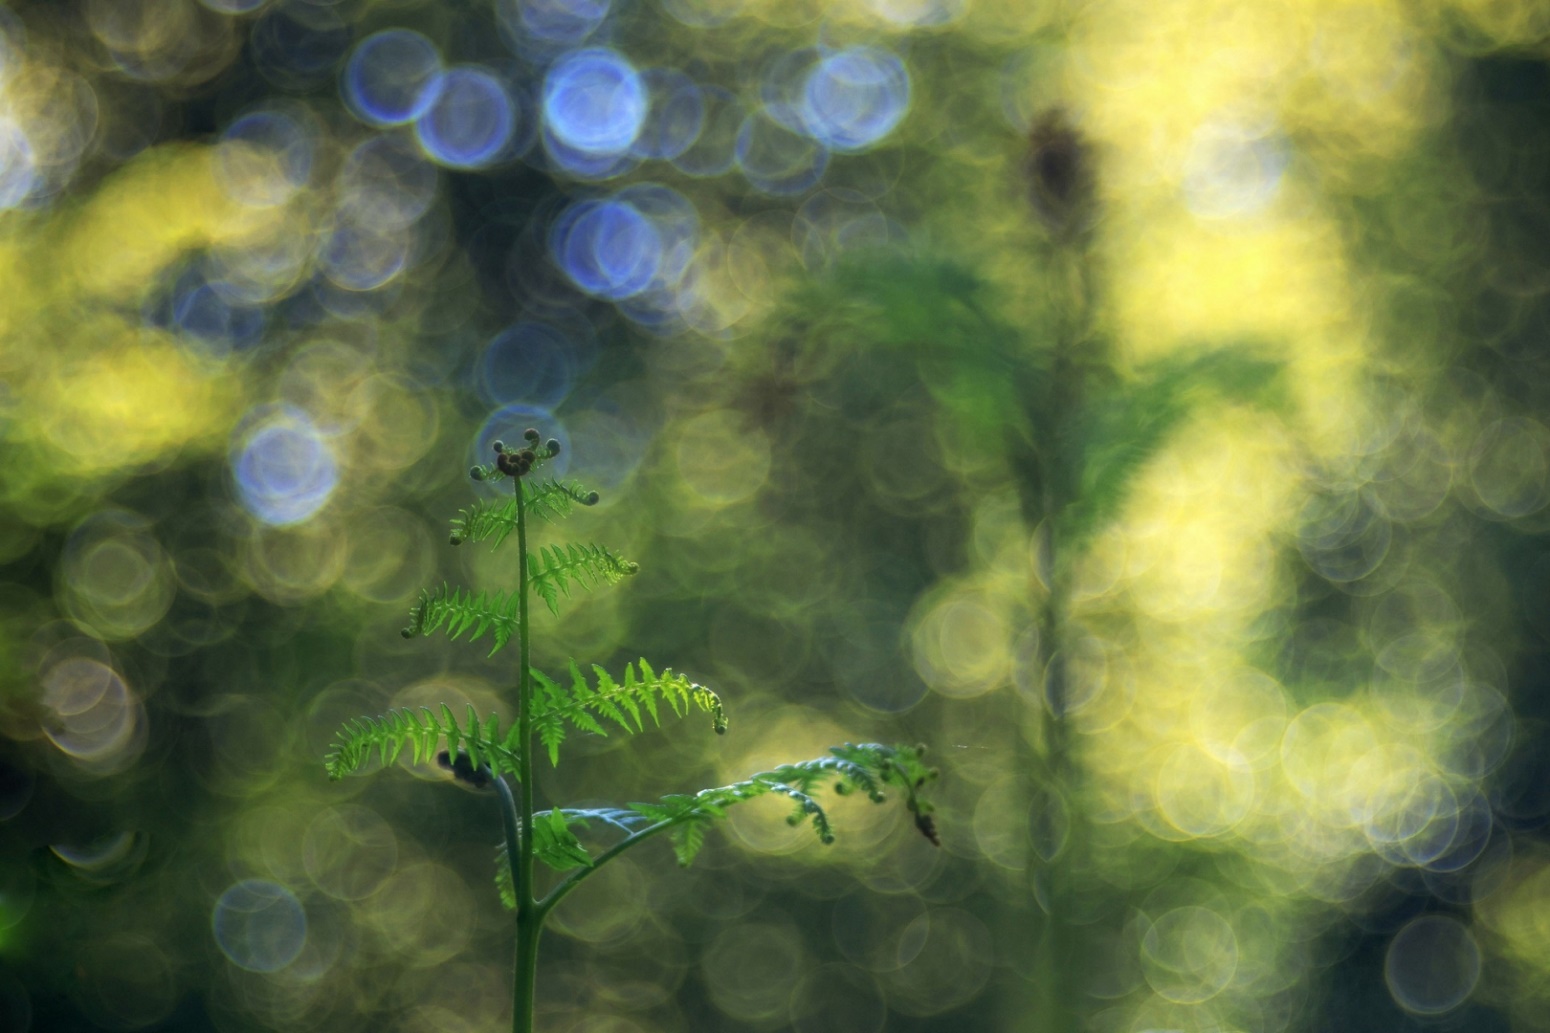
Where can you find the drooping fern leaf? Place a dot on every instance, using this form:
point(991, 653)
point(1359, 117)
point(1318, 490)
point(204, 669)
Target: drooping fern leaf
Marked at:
point(554, 569)
point(550, 500)
point(422, 730)
point(1128, 424)
point(461, 610)
point(867, 768)
point(555, 844)
point(626, 704)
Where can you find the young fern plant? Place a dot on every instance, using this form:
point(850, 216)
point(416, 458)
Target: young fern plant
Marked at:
point(483, 755)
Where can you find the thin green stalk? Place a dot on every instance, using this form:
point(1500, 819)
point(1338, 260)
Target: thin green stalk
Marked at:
point(529, 918)
point(526, 973)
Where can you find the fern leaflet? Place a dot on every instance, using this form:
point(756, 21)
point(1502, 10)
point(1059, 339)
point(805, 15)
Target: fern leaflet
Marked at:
point(422, 730)
point(551, 500)
point(552, 570)
point(461, 610)
point(627, 704)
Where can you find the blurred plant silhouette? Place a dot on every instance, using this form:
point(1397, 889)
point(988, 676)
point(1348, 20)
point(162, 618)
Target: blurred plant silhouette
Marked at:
point(480, 755)
point(1047, 406)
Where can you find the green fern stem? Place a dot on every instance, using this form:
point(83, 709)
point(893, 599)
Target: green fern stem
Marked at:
point(510, 822)
point(529, 917)
point(1060, 947)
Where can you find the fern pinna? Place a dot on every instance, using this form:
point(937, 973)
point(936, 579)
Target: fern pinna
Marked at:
point(482, 755)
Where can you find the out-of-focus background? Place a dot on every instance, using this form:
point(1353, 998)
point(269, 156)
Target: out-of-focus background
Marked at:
point(779, 274)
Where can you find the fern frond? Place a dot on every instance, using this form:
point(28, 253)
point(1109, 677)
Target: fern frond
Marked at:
point(1125, 426)
point(554, 569)
point(627, 705)
point(867, 767)
point(461, 610)
point(422, 730)
point(550, 500)
point(486, 518)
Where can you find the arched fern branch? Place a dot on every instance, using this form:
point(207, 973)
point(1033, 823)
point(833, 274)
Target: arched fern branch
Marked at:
point(869, 768)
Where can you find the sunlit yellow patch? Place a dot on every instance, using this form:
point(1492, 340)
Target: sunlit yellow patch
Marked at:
point(962, 641)
point(161, 204)
point(138, 398)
